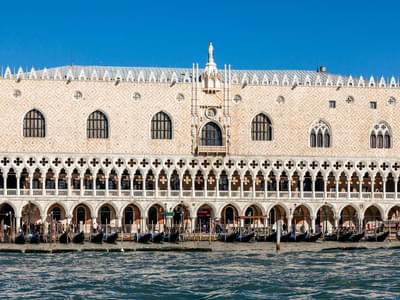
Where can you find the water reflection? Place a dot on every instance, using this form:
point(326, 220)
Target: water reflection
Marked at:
point(214, 275)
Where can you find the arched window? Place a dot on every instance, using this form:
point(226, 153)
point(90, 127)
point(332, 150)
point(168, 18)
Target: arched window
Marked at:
point(380, 137)
point(320, 135)
point(97, 125)
point(261, 128)
point(161, 126)
point(128, 215)
point(56, 213)
point(105, 215)
point(34, 124)
point(81, 215)
point(211, 135)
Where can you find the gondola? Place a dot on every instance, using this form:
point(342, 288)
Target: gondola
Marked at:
point(285, 237)
point(20, 238)
point(313, 237)
point(226, 237)
point(378, 237)
point(398, 236)
point(172, 237)
point(298, 237)
point(356, 237)
point(157, 237)
point(110, 238)
point(97, 238)
point(331, 237)
point(272, 237)
point(143, 238)
point(344, 236)
point(64, 238)
point(34, 238)
point(78, 238)
point(244, 238)
point(267, 238)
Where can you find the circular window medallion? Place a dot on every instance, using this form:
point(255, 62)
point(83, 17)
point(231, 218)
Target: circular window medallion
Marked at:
point(211, 113)
point(237, 99)
point(78, 95)
point(280, 99)
point(391, 100)
point(136, 96)
point(17, 93)
point(180, 97)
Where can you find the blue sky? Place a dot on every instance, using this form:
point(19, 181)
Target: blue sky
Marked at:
point(349, 37)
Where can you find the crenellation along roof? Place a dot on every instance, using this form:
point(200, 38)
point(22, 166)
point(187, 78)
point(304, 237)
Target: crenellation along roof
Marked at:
point(164, 75)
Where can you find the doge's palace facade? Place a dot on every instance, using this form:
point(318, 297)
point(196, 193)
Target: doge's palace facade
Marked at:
point(98, 145)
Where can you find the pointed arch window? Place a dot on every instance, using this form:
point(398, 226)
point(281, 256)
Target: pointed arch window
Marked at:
point(97, 125)
point(380, 137)
point(320, 135)
point(34, 124)
point(161, 126)
point(261, 128)
point(211, 135)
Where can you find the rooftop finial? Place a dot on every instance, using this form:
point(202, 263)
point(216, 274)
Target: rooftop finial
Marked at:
point(210, 53)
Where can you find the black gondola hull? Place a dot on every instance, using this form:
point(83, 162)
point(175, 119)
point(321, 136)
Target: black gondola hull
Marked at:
point(20, 239)
point(157, 237)
point(313, 237)
point(226, 237)
point(111, 238)
point(64, 238)
point(143, 238)
point(244, 238)
point(78, 238)
point(97, 238)
point(379, 237)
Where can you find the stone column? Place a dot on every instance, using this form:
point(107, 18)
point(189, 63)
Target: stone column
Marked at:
point(348, 188)
point(372, 187)
point(229, 187)
point(384, 187)
point(94, 185)
point(313, 186)
point(396, 180)
point(301, 187)
point(94, 222)
point(18, 223)
point(107, 185)
point(217, 185)
point(192, 180)
point(313, 224)
point(5, 183)
point(254, 186)
point(337, 179)
point(181, 186)
point(44, 185)
point(56, 184)
point(241, 187)
point(278, 183)
point(18, 184)
point(290, 186)
point(68, 179)
point(289, 222)
point(193, 224)
point(31, 184)
point(81, 182)
point(266, 187)
point(336, 218)
point(119, 192)
point(326, 187)
point(360, 188)
point(131, 177)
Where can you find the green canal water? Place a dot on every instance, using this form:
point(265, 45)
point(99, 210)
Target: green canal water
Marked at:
point(208, 275)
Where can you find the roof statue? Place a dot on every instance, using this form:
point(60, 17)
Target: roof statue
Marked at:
point(211, 77)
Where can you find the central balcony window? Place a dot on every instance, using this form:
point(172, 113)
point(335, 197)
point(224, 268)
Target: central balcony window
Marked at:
point(211, 140)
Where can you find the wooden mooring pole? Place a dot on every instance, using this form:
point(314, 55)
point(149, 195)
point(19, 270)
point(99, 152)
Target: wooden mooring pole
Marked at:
point(278, 235)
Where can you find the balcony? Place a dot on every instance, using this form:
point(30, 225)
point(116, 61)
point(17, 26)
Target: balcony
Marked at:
point(211, 150)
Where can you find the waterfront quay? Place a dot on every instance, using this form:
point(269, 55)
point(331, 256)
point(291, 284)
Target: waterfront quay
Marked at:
point(196, 246)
